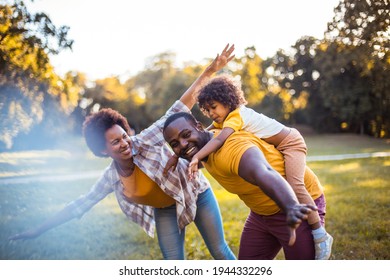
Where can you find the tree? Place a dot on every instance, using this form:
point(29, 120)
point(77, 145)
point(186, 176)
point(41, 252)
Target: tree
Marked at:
point(287, 83)
point(359, 36)
point(250, 73)
point(27, 78)
point(152, 82)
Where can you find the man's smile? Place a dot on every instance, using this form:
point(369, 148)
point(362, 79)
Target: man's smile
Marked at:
point(189, 151)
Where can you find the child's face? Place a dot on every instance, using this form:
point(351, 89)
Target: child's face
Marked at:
point(217, 111)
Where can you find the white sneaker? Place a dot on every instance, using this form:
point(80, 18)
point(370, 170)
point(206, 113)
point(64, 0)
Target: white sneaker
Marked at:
point(323, 247)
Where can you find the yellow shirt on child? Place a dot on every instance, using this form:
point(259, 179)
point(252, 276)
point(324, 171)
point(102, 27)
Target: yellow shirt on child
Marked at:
point(244, 118)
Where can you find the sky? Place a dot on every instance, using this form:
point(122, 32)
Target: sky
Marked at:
point(116, 37)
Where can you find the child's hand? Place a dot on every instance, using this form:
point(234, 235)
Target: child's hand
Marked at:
point(193, 168)
point(171, 164)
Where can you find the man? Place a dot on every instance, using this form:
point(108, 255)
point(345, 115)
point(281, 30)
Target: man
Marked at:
point(249, 167)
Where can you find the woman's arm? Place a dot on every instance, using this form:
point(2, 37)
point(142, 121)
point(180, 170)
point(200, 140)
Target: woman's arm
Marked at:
point(74, 209)
point(59, 218)
point(189, 98)
point(152, 135)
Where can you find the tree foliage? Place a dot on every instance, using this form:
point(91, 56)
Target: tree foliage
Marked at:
point(338, 83)
point(27, 79)
point(359, 45)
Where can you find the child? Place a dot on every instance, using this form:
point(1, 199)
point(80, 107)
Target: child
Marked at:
point(223, 101)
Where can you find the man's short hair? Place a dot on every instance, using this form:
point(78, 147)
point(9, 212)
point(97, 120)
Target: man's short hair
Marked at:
point(96, 125)
point(185, 115)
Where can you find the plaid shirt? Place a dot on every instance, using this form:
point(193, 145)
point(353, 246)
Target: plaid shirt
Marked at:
point(150, 153)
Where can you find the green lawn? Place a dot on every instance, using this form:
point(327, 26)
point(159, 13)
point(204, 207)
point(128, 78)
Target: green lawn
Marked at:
point(357, 191)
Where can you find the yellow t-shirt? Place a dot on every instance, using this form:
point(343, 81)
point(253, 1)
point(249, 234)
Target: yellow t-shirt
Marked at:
point(139, 188)
point(223, 166)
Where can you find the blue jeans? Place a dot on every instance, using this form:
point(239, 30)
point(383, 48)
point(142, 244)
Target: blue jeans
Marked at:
point(208, 221)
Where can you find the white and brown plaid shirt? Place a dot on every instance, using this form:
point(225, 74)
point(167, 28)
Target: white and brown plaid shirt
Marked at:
point(151, 154)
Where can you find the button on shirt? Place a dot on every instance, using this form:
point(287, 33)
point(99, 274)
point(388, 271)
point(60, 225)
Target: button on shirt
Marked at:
point(150, 154)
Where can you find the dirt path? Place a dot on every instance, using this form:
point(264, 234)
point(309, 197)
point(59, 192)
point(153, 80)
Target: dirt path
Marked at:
point(347, 156)
point(52, 178)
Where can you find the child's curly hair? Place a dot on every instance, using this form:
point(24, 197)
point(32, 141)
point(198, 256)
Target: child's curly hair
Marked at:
point(96, 125)
point(223, 89)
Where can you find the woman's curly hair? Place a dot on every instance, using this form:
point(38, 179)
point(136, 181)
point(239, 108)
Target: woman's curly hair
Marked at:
point(223, 89)
point(96, 125)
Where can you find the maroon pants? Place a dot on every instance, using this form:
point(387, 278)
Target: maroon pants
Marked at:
point(264, 236)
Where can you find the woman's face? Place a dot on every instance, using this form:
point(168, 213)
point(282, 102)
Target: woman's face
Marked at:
point(118, 144)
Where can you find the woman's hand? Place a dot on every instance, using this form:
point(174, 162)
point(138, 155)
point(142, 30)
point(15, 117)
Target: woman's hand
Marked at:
point(221, 59)
point(29, 234)
point(171, 164)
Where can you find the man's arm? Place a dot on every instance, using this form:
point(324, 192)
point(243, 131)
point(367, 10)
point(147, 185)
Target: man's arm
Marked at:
point(189, 98)
point(255, 169)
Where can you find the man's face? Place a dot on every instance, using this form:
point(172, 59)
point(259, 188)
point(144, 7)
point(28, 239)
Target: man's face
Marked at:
point(185, 138)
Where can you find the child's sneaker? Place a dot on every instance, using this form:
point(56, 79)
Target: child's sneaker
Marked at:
point(323, 247)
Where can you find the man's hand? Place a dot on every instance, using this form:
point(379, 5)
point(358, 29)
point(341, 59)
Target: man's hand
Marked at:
point(295, 216)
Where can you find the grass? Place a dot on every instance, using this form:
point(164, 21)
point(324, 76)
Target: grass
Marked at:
point(357, 192)
point(358, 207)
